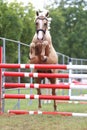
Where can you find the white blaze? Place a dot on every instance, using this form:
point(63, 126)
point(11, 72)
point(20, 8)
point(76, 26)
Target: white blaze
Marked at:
point(40, 33)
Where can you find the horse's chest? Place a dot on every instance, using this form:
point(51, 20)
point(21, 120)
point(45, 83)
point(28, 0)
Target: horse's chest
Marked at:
point(38, 49)
point(44, 71)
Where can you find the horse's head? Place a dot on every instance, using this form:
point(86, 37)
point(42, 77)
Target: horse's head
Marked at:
point(41, 24)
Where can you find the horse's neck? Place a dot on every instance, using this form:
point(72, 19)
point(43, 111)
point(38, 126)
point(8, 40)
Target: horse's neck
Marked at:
point(47, 37)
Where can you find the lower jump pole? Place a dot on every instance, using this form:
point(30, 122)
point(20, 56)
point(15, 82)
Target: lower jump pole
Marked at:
point(20, 112)
point(42, 75)
point(44, 86)
point(72, 102)
point(44, 66)
point(37, 75)
point(44, 97)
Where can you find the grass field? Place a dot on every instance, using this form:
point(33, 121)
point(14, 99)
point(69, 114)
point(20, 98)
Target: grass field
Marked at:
point(42, 122)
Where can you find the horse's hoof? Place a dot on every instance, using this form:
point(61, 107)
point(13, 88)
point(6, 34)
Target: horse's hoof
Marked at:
point(44, 58)
point(39, 108)
point(31, 57)
point(56, 109)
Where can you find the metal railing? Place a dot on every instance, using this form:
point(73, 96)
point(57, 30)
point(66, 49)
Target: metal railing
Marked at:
point(63, 59)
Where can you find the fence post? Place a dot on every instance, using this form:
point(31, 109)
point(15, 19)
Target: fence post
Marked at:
point(19, 61)
point(70, 80)
point(0, 81)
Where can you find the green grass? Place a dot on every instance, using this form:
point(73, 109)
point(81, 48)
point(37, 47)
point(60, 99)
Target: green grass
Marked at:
point(42, 122)
point(28, 104)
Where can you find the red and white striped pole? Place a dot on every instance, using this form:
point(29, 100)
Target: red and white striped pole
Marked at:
point(19, 112)
point(0, 81)
point(45, 86)
point(41, 75)
point(44, 66)
point(44, 97)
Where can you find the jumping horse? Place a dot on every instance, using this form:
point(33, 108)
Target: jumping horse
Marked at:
point(42, 50)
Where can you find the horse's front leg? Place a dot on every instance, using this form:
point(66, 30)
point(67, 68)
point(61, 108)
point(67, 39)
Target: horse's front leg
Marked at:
point(45, 51)
point(32, 51)
point(34, 59)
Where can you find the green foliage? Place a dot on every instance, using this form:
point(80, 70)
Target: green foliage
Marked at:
point(10, 22)
point(28, 24)
point(16, 22)
point(56, 27)
point(69, 27)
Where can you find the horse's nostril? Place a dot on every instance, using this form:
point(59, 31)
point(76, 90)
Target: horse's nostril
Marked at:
point(42, 38)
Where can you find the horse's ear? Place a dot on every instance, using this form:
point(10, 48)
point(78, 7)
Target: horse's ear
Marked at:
point(37, 13)
point(47, 14)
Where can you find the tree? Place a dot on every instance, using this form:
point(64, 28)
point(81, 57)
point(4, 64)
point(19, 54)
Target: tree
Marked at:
point(72, 27)
point(16, 22)
point(75, 30)
point(57, 27)
point(28, 24)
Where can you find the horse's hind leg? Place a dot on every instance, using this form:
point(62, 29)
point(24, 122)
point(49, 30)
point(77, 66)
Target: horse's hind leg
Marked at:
point(53, 81)
point(39, 101)
point(55, 105)
point(38, 91)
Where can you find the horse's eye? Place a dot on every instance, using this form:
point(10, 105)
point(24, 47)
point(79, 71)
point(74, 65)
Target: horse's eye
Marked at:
point(45, 24)
point(36, 23)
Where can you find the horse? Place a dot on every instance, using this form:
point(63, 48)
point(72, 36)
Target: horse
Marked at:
point(42, 50)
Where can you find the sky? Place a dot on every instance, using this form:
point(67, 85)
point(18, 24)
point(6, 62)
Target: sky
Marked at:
point(38, 4)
